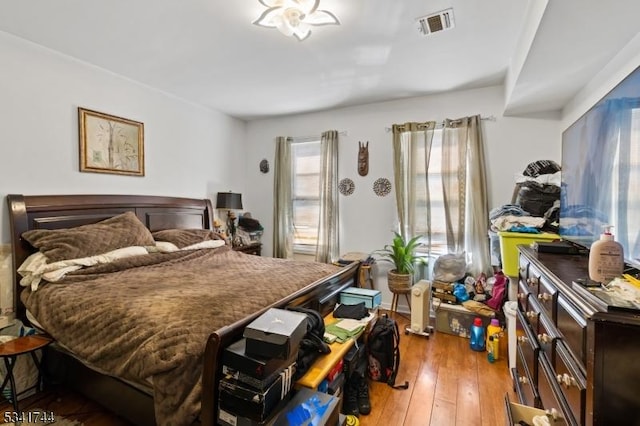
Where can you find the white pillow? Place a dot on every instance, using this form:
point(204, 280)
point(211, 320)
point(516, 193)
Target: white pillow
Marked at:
point(167, 247)
point(35, 267)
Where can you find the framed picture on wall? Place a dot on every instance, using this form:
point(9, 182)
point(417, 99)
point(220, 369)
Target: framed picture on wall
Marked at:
point(110, 144)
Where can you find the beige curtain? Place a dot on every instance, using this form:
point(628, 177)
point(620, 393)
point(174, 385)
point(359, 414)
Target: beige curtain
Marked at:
point(282, 200)
point(328, 227)
point(465, 192)
point(407, 138)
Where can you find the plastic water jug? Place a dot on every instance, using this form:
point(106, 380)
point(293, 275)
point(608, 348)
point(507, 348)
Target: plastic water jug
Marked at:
point(477, 335)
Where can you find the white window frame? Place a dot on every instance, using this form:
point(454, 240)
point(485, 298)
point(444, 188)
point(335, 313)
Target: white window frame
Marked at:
point(299, 247)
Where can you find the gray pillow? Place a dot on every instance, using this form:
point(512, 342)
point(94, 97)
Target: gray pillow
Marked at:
point(120, 231)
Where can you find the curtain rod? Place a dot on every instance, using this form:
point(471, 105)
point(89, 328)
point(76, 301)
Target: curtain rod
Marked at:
point(441, 123)
point(295, 139)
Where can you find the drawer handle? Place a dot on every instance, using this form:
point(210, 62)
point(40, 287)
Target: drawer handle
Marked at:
point(566, 380)
point(533, 280)
point(544, 338)
point(523, 380)
point(522, 339)
point(531, 314)
point(555, 414)
point(544, 297)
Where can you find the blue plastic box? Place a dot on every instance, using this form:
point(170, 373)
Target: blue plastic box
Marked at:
point(355, 295)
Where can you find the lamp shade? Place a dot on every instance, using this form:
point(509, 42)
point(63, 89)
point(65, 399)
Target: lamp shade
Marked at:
point(229, 200)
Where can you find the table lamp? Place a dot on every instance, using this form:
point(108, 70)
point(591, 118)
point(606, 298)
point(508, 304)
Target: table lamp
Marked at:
point(230, 201)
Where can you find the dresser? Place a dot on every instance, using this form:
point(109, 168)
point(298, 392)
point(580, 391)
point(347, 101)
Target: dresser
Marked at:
point(576, 358)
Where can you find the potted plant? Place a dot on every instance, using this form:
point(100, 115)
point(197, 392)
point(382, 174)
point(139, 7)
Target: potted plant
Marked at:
point(401, 254)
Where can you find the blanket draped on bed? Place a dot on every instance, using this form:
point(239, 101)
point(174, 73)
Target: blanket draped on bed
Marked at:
point(149, 316)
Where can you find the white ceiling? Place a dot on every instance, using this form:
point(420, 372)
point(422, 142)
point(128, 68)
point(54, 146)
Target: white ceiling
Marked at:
point(208, 52)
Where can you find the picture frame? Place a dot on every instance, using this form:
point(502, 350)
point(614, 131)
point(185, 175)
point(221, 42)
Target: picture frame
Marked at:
point(110, 144)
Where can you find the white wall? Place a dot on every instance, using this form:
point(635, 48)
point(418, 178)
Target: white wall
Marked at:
point(627, 60)
point(190, 151)
point(366, 219)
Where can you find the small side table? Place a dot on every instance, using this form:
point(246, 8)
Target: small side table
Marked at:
point(9, 352)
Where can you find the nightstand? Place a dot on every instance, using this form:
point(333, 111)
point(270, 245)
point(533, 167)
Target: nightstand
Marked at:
point(9, 352)
point(255, 248)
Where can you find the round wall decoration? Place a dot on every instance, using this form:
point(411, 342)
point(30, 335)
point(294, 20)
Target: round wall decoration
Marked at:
point(382, 187)
point(346, 186)
point(264, 166)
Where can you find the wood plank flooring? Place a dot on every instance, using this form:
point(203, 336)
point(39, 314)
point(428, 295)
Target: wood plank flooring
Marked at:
point(449, 384)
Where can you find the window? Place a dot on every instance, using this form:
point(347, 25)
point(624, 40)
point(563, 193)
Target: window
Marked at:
point(305, 157)
point(438, 223)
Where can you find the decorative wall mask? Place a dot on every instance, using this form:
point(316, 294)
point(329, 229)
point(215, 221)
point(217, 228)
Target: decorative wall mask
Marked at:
point(382, 187)
point(264, 166)
point(346, 186)
point(363, 158)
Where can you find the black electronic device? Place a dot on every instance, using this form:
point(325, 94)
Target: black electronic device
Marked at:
point(560, 247)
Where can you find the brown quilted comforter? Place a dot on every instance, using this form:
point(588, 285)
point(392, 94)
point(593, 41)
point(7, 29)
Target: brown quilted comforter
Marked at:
point(149, 316)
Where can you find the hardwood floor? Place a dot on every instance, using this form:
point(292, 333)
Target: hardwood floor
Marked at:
point(449, 384)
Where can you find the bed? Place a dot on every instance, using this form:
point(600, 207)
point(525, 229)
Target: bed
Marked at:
point(159, 355)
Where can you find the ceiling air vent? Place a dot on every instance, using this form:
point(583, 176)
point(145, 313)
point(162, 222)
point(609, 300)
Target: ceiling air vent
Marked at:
point(433, 23)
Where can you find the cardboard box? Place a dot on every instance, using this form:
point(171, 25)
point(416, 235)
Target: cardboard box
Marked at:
point(457, 320)
point(256, 371)
point(275, 334)
point(355, 295)
point(509, 242)
point(239, 398)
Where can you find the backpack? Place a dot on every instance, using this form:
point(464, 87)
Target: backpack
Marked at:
point(383, 350)
point(312, 344)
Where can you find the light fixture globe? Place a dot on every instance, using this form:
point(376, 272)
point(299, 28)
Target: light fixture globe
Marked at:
point(294, 17)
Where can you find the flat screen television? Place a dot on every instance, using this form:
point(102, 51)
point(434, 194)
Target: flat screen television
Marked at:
point(601, 171)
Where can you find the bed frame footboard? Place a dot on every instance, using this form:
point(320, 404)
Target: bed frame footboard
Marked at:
point(321, 296)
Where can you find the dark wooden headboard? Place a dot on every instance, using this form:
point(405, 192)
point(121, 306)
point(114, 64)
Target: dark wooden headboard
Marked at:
point(66, 211)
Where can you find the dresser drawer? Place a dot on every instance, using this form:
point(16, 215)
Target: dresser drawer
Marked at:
point(547, 297)
point(523, 383)
point(572, 382)
point(551, 397)
point(523, 268)
point(532, 314)
point(533, 278)
point(523, 295)
point(573, 328)
point(548, 338)
point(527, 346)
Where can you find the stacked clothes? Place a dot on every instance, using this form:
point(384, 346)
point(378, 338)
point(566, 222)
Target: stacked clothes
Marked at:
point(535, 205)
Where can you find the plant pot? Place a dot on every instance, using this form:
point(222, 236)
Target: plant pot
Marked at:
point(399, 283)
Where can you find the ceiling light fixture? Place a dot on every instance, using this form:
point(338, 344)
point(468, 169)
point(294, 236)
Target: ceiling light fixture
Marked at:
point(294, 17)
